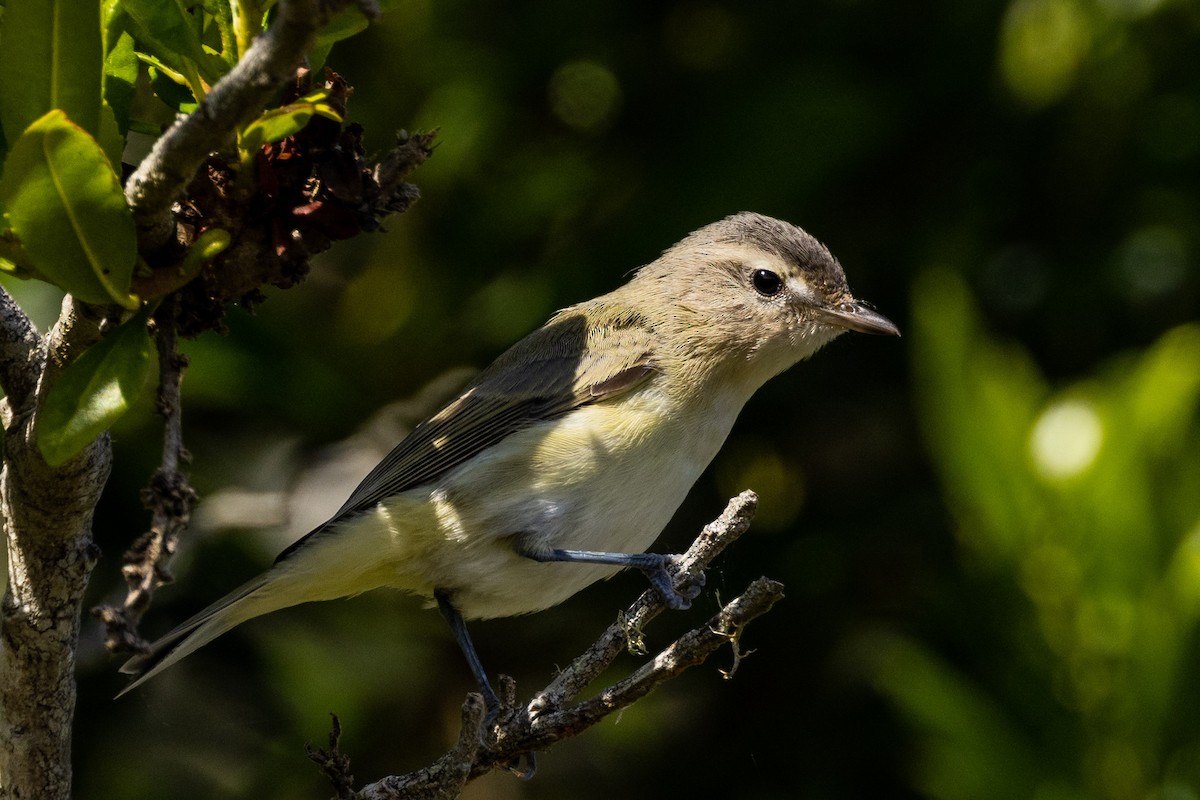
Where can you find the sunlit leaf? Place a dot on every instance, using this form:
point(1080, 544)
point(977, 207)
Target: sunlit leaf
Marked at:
point(50, 59)
point(279, 123)
point(1165, 388)
point(63, 205)
point(171, 33)
point(167, 26)
point(220, 12)
point(95, 391)
point(208, 246)
point(120, 63)
point(169, 89)
point(967, 377)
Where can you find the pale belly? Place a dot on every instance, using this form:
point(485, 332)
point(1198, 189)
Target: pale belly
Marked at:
point(590, 481)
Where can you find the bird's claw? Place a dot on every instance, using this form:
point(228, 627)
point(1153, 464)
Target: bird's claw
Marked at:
point(663, 576)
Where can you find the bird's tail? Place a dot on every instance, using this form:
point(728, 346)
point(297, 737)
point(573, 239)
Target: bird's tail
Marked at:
point(247, 601)
point(326, 567)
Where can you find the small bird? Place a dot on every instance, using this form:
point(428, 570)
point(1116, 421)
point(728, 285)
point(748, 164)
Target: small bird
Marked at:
point(564, 460)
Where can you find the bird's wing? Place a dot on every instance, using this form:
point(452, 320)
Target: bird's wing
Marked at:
point(561, 366)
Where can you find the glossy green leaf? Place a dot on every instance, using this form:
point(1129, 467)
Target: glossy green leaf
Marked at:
point(95, 391)
point(220, 14)
point(120, 63)
point(279, 123)
point(208, 246)
point(167, 89)
point(51, 58)
point(172, 34)
point(64, 209)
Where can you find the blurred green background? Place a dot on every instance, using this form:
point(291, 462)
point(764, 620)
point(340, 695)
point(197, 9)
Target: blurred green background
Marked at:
point(989, 529)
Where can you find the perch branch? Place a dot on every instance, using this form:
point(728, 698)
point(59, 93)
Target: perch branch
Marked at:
point(549, 717)
point(713, 539)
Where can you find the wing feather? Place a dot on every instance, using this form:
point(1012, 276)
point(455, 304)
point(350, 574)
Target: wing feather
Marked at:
point(565, 364)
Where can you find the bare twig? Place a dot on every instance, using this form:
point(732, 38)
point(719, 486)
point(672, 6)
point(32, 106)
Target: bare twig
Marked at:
point(269, 63)
point(169, 496)
point(713, 539)
point(549, 717)
point(446, 777)
point(333, 763)
point(687, 651)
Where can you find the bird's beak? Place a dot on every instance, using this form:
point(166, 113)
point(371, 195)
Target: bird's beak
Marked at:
point(855, 316)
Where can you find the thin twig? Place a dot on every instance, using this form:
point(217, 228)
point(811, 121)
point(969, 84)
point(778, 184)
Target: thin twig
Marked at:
point(333, 762)
point(169, 496)
point(519, 732)
point(687, 651)
point(713, 539)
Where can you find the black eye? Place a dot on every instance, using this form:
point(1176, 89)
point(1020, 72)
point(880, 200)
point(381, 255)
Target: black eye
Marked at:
point(767, 283)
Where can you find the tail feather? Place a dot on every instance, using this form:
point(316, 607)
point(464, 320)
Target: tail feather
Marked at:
point(326, 567)
point(228, 612)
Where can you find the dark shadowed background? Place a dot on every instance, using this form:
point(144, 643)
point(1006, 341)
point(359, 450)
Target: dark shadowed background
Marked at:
point(989, 530)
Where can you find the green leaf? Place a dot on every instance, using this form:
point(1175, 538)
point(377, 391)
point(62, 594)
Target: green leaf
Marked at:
point(64, 208)
point(220, 13)
point(345, 23)
point(50, 59)
point(167, 89)
point(120, 63)
point(111, 139)
point(172, 34)
point(207, 246)
point(95, 391)
point(279, 123)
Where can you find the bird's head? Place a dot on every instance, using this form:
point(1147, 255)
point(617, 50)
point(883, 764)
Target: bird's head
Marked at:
point(753, 290)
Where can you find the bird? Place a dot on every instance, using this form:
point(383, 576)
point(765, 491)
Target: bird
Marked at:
point(562, 462)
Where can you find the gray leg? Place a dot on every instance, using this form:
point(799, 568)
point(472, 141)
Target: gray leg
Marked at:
point(459, 626)
point(652, 565)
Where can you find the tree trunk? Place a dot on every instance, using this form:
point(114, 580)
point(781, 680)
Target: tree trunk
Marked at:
point(47, 516)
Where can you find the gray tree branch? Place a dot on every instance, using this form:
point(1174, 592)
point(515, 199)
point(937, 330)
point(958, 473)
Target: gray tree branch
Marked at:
point(47, 517)
point(20, 357)
point(551, 715)
point(47, 512)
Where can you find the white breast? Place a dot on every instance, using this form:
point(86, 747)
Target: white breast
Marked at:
point(604, 477)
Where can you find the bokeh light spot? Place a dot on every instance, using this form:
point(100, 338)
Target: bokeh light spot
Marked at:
point(1016, 278)
point(1152, 262)
point(376, 303)
point(1042, 43)
point(1066, 439)
point(1105, 624)
point(585, 95)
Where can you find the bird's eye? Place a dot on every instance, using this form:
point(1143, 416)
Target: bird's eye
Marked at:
point(767, 283)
